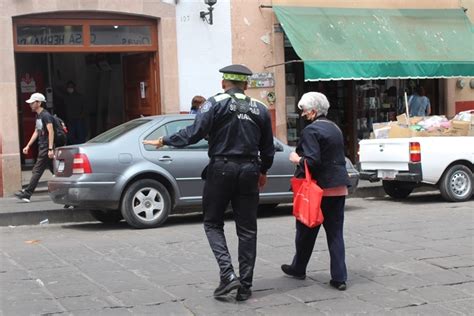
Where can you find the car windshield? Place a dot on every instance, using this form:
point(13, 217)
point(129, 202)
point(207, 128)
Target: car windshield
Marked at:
point(118, 131)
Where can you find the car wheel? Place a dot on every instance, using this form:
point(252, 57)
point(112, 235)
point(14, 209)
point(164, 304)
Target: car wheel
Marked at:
point(107, 216)
point(456, 184)
point(397, 189)
point(146, 204)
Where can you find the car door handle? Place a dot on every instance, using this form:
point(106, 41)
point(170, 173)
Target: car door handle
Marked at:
point(166, 158)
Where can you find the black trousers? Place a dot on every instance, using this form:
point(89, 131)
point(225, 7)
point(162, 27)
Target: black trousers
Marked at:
point(333, 211)
point(43, 162)
point(235, 183)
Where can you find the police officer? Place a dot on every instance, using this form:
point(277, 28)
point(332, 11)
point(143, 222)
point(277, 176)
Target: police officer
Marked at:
point(241, 151)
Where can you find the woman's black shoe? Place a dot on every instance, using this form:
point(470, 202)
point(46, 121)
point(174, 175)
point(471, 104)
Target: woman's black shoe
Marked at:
point(243, 293)
point(291, 272)
point(341, 286)
point(227, 286)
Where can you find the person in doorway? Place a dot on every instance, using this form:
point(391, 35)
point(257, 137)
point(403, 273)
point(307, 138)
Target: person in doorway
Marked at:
point(419, 104)
point(241, 151)
point(196, 103)
point(321, 146)
point(44, 133)
point(75, 115)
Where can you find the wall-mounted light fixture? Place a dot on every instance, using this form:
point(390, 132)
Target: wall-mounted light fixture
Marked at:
point(204, 14)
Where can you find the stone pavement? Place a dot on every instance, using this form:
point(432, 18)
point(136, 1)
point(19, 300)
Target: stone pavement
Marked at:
point(412, 257)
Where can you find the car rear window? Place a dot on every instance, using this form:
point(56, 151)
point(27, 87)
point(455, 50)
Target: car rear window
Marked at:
point(118, 131)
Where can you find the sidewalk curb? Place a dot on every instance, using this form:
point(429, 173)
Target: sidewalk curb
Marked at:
point(70, 215)
point(56, 216)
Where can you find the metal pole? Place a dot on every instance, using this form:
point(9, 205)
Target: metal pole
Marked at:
point(286, 62)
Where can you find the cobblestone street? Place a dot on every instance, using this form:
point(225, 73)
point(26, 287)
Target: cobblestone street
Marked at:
point(411, 257)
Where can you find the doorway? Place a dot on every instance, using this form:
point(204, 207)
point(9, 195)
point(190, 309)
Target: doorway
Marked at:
point(110, 59)
point(110, 89)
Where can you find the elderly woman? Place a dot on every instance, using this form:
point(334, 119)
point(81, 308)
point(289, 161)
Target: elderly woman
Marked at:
point(322, 147)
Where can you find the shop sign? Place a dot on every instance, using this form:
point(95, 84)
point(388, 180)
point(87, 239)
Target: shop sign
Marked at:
point(120, 35)
point(57, 35)
point(261, 80)
point(49, 35)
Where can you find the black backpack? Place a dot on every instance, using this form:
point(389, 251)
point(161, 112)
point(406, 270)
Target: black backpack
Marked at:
point(60, 131)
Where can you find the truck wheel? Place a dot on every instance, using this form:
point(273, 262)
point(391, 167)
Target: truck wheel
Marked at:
point(146, 204)
point(456, 184)
point(397, 189)
point(107, 216)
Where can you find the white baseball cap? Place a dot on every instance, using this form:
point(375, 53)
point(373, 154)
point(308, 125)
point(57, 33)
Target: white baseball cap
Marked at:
point(36, 97)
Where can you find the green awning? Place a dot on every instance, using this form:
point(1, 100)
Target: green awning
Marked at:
point(340, 43)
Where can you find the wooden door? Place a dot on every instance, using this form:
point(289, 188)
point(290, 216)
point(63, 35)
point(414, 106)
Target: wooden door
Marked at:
point(140, 86)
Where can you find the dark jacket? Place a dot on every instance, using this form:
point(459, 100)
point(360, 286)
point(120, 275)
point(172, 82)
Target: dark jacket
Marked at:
point(232, 130)
point(322, 146)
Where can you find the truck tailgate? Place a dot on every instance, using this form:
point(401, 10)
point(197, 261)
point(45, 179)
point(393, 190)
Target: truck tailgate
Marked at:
point(384, 154)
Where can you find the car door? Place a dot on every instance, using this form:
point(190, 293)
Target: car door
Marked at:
point(279, 175)
point(184, 164)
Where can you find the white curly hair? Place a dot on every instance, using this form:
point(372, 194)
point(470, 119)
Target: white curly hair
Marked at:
point(314, 101)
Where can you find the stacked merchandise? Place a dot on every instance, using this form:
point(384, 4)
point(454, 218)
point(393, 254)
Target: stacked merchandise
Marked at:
point(438, 125)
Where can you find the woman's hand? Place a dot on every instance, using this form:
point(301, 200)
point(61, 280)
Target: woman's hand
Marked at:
point(295, 158)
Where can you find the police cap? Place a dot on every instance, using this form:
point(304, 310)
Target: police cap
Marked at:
point(235, 72)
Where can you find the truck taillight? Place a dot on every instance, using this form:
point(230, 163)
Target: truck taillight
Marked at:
point(81, 164)
point(415, 152)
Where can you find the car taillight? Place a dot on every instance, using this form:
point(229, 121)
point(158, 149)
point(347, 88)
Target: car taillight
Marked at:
point(415, 152)
point(81, 164)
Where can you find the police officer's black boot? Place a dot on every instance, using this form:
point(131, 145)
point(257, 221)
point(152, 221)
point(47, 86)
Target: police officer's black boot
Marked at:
point(227, 285)
point(243, 293)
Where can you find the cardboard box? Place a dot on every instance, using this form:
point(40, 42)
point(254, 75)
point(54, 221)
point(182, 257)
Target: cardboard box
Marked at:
point(382, 133)
point(402, 119)
point(432, 133)
point(400, 128)
point(459, 128)
point(397, 131)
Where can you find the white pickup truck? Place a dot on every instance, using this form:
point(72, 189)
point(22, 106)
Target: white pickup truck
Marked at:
point(405, 163)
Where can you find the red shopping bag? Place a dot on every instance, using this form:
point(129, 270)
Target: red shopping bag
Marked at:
point(307, 196)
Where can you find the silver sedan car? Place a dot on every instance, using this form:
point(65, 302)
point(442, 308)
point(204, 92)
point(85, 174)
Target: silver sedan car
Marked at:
point(117, 177)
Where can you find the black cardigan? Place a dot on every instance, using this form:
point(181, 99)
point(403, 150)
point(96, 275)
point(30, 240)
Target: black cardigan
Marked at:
point(322, 146)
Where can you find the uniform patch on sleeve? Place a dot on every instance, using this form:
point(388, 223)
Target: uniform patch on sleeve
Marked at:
point(205, 107)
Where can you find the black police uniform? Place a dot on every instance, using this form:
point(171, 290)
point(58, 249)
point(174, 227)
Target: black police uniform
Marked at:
point(240, 148)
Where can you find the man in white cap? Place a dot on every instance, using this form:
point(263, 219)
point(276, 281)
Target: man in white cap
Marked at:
point(44, 133)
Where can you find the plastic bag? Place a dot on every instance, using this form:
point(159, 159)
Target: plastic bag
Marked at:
point(307, 196)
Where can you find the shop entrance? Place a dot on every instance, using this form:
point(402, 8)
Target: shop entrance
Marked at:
point(109, 89)
point(355, 104)
point(109, 61)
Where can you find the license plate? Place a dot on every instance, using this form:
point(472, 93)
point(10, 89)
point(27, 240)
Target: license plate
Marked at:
point(61, 166)
point(387, 174)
